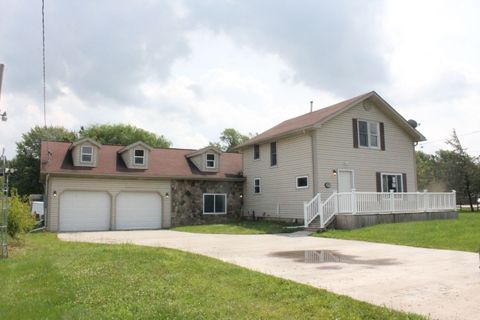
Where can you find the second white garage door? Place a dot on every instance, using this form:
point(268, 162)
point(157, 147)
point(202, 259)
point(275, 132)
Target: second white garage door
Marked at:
point(139, 210)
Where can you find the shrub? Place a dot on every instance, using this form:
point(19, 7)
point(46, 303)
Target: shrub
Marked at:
point(19, 218)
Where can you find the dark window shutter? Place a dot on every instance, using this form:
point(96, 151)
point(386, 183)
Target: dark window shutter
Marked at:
point(355, 133)
point(382, 136)
point(379, 182)
point(404, 178)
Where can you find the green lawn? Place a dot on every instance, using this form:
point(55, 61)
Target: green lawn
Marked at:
point(462, 234)
point(50, 279)
point(240, 227)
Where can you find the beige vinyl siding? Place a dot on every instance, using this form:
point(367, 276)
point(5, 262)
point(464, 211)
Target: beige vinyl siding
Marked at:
point(113, 186)
point(334, 142)
point(279, 197)
point(76, 155)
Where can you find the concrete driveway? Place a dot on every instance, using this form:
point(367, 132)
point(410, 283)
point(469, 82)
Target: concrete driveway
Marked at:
point(441, 284)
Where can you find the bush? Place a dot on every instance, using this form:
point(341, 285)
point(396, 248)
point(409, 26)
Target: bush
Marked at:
point(19, 218)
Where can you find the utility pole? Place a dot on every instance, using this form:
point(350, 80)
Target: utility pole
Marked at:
point(3, 115)
point(4, 186)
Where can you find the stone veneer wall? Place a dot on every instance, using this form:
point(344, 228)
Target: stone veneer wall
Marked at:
point(187, 201)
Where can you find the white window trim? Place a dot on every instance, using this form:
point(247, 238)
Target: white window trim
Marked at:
point(215, 194)
point(369, 123)
point(86, 153)
point(214, 161)
point(259, 153)
point(259, 185)
point(296, 182)
point(391, 174)
point(142, 157)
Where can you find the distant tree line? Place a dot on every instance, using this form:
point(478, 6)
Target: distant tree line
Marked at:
point(450, 170)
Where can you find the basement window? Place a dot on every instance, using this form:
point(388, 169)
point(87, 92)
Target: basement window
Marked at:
point(214, 203)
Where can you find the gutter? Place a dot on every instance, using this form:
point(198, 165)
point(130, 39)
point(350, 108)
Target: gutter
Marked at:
point(116, 176)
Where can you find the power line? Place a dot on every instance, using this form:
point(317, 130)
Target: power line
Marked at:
point(44, 68)
point(458, 135)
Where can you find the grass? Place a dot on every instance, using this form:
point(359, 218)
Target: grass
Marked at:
point(462, 234)
point(50, 279)
point(240, 227)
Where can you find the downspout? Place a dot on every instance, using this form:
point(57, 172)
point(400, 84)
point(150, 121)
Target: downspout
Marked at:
point(313, 141)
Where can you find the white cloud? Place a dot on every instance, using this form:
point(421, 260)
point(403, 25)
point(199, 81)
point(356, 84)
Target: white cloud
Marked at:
point(188, 70)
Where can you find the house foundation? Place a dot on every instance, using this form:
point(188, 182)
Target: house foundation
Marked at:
point(356, 221)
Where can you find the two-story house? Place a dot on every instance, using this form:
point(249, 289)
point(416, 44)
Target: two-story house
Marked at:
point(361, 143)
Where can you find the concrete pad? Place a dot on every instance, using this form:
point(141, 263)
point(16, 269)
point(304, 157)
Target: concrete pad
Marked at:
point(442, 284)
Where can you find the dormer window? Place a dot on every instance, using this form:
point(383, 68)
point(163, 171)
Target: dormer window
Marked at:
point(86, 154)
point(210, 160)
point(139, 157)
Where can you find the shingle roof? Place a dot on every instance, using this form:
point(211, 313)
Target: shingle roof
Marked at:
point(304, 121)
point(163, 163)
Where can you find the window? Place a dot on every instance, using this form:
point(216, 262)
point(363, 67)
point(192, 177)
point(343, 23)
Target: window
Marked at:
point(210, 160)
point(214, 203)
point(139, 157)
point(87, 154)
point(302, 182)
point(392, 181)
point(368, 134)
point(256, 185)
point(273, 154)
point(256, 152)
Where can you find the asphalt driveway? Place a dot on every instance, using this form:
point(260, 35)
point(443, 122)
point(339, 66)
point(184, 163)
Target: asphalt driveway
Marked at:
point(442, 284)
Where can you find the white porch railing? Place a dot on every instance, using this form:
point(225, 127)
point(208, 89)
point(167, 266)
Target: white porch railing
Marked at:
point(376, 202)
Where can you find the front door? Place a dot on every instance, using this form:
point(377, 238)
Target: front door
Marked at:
point(345, 186)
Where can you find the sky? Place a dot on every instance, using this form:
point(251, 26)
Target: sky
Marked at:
point(189, 69)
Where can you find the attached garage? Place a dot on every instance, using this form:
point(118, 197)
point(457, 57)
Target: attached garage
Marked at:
point(84, 211)
point(138, 210)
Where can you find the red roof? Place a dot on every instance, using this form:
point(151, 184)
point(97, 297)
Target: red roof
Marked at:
point(163, 163)
point(302, 122)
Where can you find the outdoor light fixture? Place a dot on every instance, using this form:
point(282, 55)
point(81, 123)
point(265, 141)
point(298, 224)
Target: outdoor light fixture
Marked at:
point(4, 116)
point(334, 172)
point(54, 193)
point(167, 195)
point(241, 196)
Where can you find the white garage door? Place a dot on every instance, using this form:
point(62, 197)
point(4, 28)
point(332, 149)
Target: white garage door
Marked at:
point(84, 211)
point(139, 210)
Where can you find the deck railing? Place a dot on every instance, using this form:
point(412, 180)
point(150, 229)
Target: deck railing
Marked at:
point(376, 202)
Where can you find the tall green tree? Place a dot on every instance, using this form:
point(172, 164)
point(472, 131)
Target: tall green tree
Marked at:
point(27, 160)
point(427, 176)
point(229, 139)
point(123, 134)
point(464, 173)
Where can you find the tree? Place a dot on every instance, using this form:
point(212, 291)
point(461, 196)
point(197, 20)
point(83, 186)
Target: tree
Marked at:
point(464, 166)
point(229, 139)
point(123, 134)
point(427, 178)
point(27, 160)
